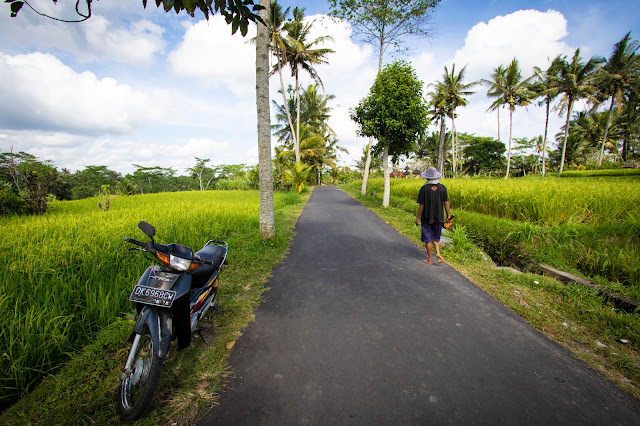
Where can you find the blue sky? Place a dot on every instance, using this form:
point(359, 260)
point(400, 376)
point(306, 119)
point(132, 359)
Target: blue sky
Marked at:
point(138, 86)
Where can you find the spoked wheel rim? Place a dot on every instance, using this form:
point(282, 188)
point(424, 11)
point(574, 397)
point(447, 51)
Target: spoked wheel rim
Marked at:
point(138, 385)
point(134, 385)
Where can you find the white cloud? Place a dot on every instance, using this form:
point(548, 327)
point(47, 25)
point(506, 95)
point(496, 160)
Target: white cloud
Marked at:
point(531, 36)
point(37, 91)
point(134, 41)
point(215, 58)
point(136, 45)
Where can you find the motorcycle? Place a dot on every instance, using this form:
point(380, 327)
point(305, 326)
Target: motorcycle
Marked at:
point(170, 300)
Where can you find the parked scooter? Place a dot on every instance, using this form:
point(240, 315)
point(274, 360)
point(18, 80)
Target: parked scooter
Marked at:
point(170, 299)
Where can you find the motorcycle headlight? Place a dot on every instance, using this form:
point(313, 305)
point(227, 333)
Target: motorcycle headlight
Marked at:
point(179, 263)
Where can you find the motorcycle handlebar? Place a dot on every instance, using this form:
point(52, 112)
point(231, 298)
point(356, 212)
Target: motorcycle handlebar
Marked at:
point(136, 242)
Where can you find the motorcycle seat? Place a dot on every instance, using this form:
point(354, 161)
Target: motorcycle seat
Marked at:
point(212, 253)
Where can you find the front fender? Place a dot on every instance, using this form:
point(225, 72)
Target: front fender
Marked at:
point(159, 323)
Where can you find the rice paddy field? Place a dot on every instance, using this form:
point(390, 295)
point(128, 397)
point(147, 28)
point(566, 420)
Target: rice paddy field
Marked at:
point(589, 224)
point(66, 275)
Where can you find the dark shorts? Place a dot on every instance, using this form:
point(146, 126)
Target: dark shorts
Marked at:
point(431, 232)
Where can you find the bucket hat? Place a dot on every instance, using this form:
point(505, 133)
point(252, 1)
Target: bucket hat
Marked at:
point(431, 173)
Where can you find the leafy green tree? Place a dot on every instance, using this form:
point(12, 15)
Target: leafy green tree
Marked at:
point(574, 82)
point(617, 76)
point(394, 114)
point(484, 155)
point(202, 173)
point(454, 93)
point(89, 181)
point(384, 24)
point(155, 178)
point(30, 179)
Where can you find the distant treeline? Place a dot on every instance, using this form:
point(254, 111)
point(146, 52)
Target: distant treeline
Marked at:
point(28, 184)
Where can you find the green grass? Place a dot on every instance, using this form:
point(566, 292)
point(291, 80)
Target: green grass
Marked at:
point(68, 278)
point(572, 315)
point(589, 226)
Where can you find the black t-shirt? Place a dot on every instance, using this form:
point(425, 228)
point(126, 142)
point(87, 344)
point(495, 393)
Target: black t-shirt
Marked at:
point(432, 196)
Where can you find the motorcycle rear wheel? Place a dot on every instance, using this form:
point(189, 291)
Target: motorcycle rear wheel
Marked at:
point(137, 389)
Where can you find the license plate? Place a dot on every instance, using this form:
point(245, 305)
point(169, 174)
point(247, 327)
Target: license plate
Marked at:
point(152, 296)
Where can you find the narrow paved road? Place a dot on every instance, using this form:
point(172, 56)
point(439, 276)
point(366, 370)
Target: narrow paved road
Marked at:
point(357, 330)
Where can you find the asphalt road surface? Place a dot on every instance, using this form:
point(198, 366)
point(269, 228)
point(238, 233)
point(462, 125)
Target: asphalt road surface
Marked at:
point(356, 329)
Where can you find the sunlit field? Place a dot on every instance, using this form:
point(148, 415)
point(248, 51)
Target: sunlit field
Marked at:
point(66, 274)
point(590, 224)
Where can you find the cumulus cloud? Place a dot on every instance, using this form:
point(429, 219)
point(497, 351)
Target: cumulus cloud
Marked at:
point(135, 41)
point(213, 57)
point(533, 37)
point(136, 45)
point(37, 91)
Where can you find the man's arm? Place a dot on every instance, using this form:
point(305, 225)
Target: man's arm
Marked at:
point(420, 210)
point(447, 209)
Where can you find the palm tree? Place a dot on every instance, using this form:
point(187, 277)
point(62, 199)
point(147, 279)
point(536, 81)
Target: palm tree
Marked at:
point(454, 92)
point(496, 86)
point(615, 77)
point(301, 55)
point(515, 92)
point(297, 174)
point(438, 109)
point(574, 83)
point(277, 18)
point(315, 109)
point(545, 87)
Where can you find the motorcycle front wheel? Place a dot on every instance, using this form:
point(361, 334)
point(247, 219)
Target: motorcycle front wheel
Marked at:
point(139, 383)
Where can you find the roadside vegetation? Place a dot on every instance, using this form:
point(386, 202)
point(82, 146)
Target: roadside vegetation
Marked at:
point(64, 298)
point(497, 225)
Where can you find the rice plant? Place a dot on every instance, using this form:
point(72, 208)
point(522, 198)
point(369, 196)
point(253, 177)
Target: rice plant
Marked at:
point(66, 274)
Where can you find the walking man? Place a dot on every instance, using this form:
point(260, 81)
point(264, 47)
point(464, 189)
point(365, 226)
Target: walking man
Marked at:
point(432, 197)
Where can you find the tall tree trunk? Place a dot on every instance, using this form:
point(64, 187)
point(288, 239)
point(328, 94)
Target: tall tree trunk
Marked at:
point(453, 146)
point(286, 103)
point(566, 136)
point(606, 132)
point(387, 182)
point(498, 109)
point(266, 216)
point(367, 164)
point(509, 149)
point(443, 130)
point(544, 142)
point(297, 147)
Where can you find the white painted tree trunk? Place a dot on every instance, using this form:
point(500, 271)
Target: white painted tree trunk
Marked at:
point(365, 176)
point(387, 182)
point(509, 149)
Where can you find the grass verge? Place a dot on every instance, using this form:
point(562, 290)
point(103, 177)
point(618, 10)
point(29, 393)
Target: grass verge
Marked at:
point(572, 315)
point(84, 390)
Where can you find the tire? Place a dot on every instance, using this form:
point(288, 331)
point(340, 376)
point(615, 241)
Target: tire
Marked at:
point(137, 389)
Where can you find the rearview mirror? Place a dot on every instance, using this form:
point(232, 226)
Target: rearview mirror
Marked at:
point(147, 229)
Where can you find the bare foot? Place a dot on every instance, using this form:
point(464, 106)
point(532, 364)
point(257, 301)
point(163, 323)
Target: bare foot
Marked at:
point(440, 259)
point(427, 261)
